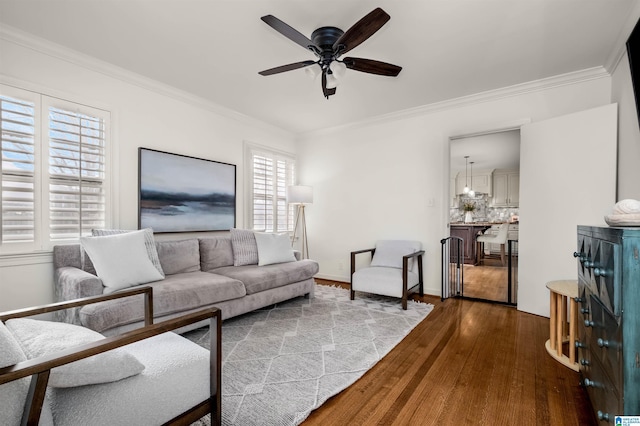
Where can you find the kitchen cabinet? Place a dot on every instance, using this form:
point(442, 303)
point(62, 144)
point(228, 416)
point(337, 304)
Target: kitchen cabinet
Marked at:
point(506, 188)
point(481, 182)
point(609, 322)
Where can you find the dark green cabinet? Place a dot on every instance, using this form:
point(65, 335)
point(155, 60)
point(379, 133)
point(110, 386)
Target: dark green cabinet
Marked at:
point(609, 319)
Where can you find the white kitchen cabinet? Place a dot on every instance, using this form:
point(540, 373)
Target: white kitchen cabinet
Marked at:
point(481, 183)
point(506, 188)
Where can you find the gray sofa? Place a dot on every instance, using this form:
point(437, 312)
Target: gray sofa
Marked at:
point(199, 273)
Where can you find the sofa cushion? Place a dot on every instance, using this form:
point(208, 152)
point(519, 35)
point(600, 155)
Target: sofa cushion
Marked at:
point(39, 338)
point(215, 253)
point(259, 278)
point(245, 249)
point(177, 257)
point(121, 260)
point(176, 378)
point(176, 293)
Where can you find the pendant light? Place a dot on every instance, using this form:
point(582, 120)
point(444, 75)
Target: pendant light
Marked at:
point(466, 175)
point(472, 193)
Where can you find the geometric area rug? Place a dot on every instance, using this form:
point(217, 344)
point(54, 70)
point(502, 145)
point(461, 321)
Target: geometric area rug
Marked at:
point(282, 362)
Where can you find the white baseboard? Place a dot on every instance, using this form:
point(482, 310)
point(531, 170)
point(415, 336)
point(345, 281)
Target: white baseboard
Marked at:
point(343, 279)
point(339, 278)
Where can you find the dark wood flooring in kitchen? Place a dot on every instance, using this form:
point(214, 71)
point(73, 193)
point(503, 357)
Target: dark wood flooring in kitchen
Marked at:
point(468, 363)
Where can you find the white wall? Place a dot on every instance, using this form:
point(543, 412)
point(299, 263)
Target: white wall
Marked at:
point(141, 117)
point(628, 131)
point(379, 180)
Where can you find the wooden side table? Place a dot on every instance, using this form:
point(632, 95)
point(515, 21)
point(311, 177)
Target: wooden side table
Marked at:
point(563, 327)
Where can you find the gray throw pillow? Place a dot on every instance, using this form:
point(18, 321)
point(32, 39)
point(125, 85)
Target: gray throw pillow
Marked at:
point(245, 248)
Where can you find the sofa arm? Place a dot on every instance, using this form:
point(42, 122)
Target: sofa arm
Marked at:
point(73, 283)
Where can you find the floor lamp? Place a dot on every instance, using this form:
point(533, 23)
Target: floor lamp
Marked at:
point(300, 195)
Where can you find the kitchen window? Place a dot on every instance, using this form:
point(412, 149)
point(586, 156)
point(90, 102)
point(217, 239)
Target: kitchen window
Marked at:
point(53, 170)
point(270, 172)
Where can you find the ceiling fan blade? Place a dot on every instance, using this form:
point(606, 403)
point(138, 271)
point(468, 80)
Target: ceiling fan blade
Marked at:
point(288, 67)
point(361, 30)
point(289, 32)
point(372, 67)
point(327, 92)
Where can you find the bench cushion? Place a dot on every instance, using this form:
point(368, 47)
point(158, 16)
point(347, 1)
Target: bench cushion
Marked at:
point(260, 278)
point(174, 380)
point(176, 293)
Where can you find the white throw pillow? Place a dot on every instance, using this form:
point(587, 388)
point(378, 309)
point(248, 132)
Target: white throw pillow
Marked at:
point(120, 260)
point(245, 250)
point(389, 253)
point(12, 394)
point(149, 243)
point(38, 338)
point(273, 248)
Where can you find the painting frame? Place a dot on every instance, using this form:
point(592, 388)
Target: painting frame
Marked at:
point(180, 193)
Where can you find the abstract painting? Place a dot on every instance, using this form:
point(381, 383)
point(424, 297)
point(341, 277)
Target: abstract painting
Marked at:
point(178, 193)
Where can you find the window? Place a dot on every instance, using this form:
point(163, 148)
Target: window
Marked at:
point(270, 173)
point(53, 170)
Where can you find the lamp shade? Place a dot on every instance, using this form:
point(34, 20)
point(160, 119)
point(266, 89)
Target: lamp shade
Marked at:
point(300, 194)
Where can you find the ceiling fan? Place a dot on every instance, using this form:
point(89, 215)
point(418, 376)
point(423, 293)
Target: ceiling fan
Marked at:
point(329, 44)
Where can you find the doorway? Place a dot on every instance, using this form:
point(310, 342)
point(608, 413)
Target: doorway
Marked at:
point(484, 197)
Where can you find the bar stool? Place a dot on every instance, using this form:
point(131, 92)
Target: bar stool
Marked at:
point(563, 327)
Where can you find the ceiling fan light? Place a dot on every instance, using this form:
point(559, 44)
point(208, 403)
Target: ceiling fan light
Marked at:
point(338, 68)
point(313, 71)
point(332, 81)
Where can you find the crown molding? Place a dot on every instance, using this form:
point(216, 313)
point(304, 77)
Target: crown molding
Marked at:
point(46, 47)
point(487, 96)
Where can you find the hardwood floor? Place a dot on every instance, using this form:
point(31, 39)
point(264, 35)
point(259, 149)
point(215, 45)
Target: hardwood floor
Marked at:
point(468, 363)
point(487, 281)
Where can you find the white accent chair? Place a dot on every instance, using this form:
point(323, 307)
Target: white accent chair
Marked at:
point(180, 383)
point(499, 238)
point(395, 270)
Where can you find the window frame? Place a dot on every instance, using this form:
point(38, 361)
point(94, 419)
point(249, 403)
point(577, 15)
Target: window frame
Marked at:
point(42, 241)
point(250, 151)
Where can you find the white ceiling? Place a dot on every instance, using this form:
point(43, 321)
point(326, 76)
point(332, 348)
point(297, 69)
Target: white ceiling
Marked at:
point(448, 49)
point(499, 150)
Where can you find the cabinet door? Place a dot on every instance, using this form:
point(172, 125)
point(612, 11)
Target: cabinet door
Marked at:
point(500, 189)
point(513, 191)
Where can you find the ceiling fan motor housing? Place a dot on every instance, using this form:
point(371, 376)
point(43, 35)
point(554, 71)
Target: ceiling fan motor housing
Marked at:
point(325, 37)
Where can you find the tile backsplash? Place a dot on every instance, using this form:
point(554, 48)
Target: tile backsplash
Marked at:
point(483, 212)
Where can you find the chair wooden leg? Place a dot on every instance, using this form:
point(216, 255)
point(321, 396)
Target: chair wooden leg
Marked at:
point(502, 254)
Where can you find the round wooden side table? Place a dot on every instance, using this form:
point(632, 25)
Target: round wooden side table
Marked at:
point(563, 327)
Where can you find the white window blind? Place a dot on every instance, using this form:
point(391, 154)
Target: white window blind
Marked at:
point(54, 170)
point(271, 174)
point(76, 173)
point(17, 120)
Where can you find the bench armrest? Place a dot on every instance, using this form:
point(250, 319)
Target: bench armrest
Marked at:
point(357, 252)
point(40, 367)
